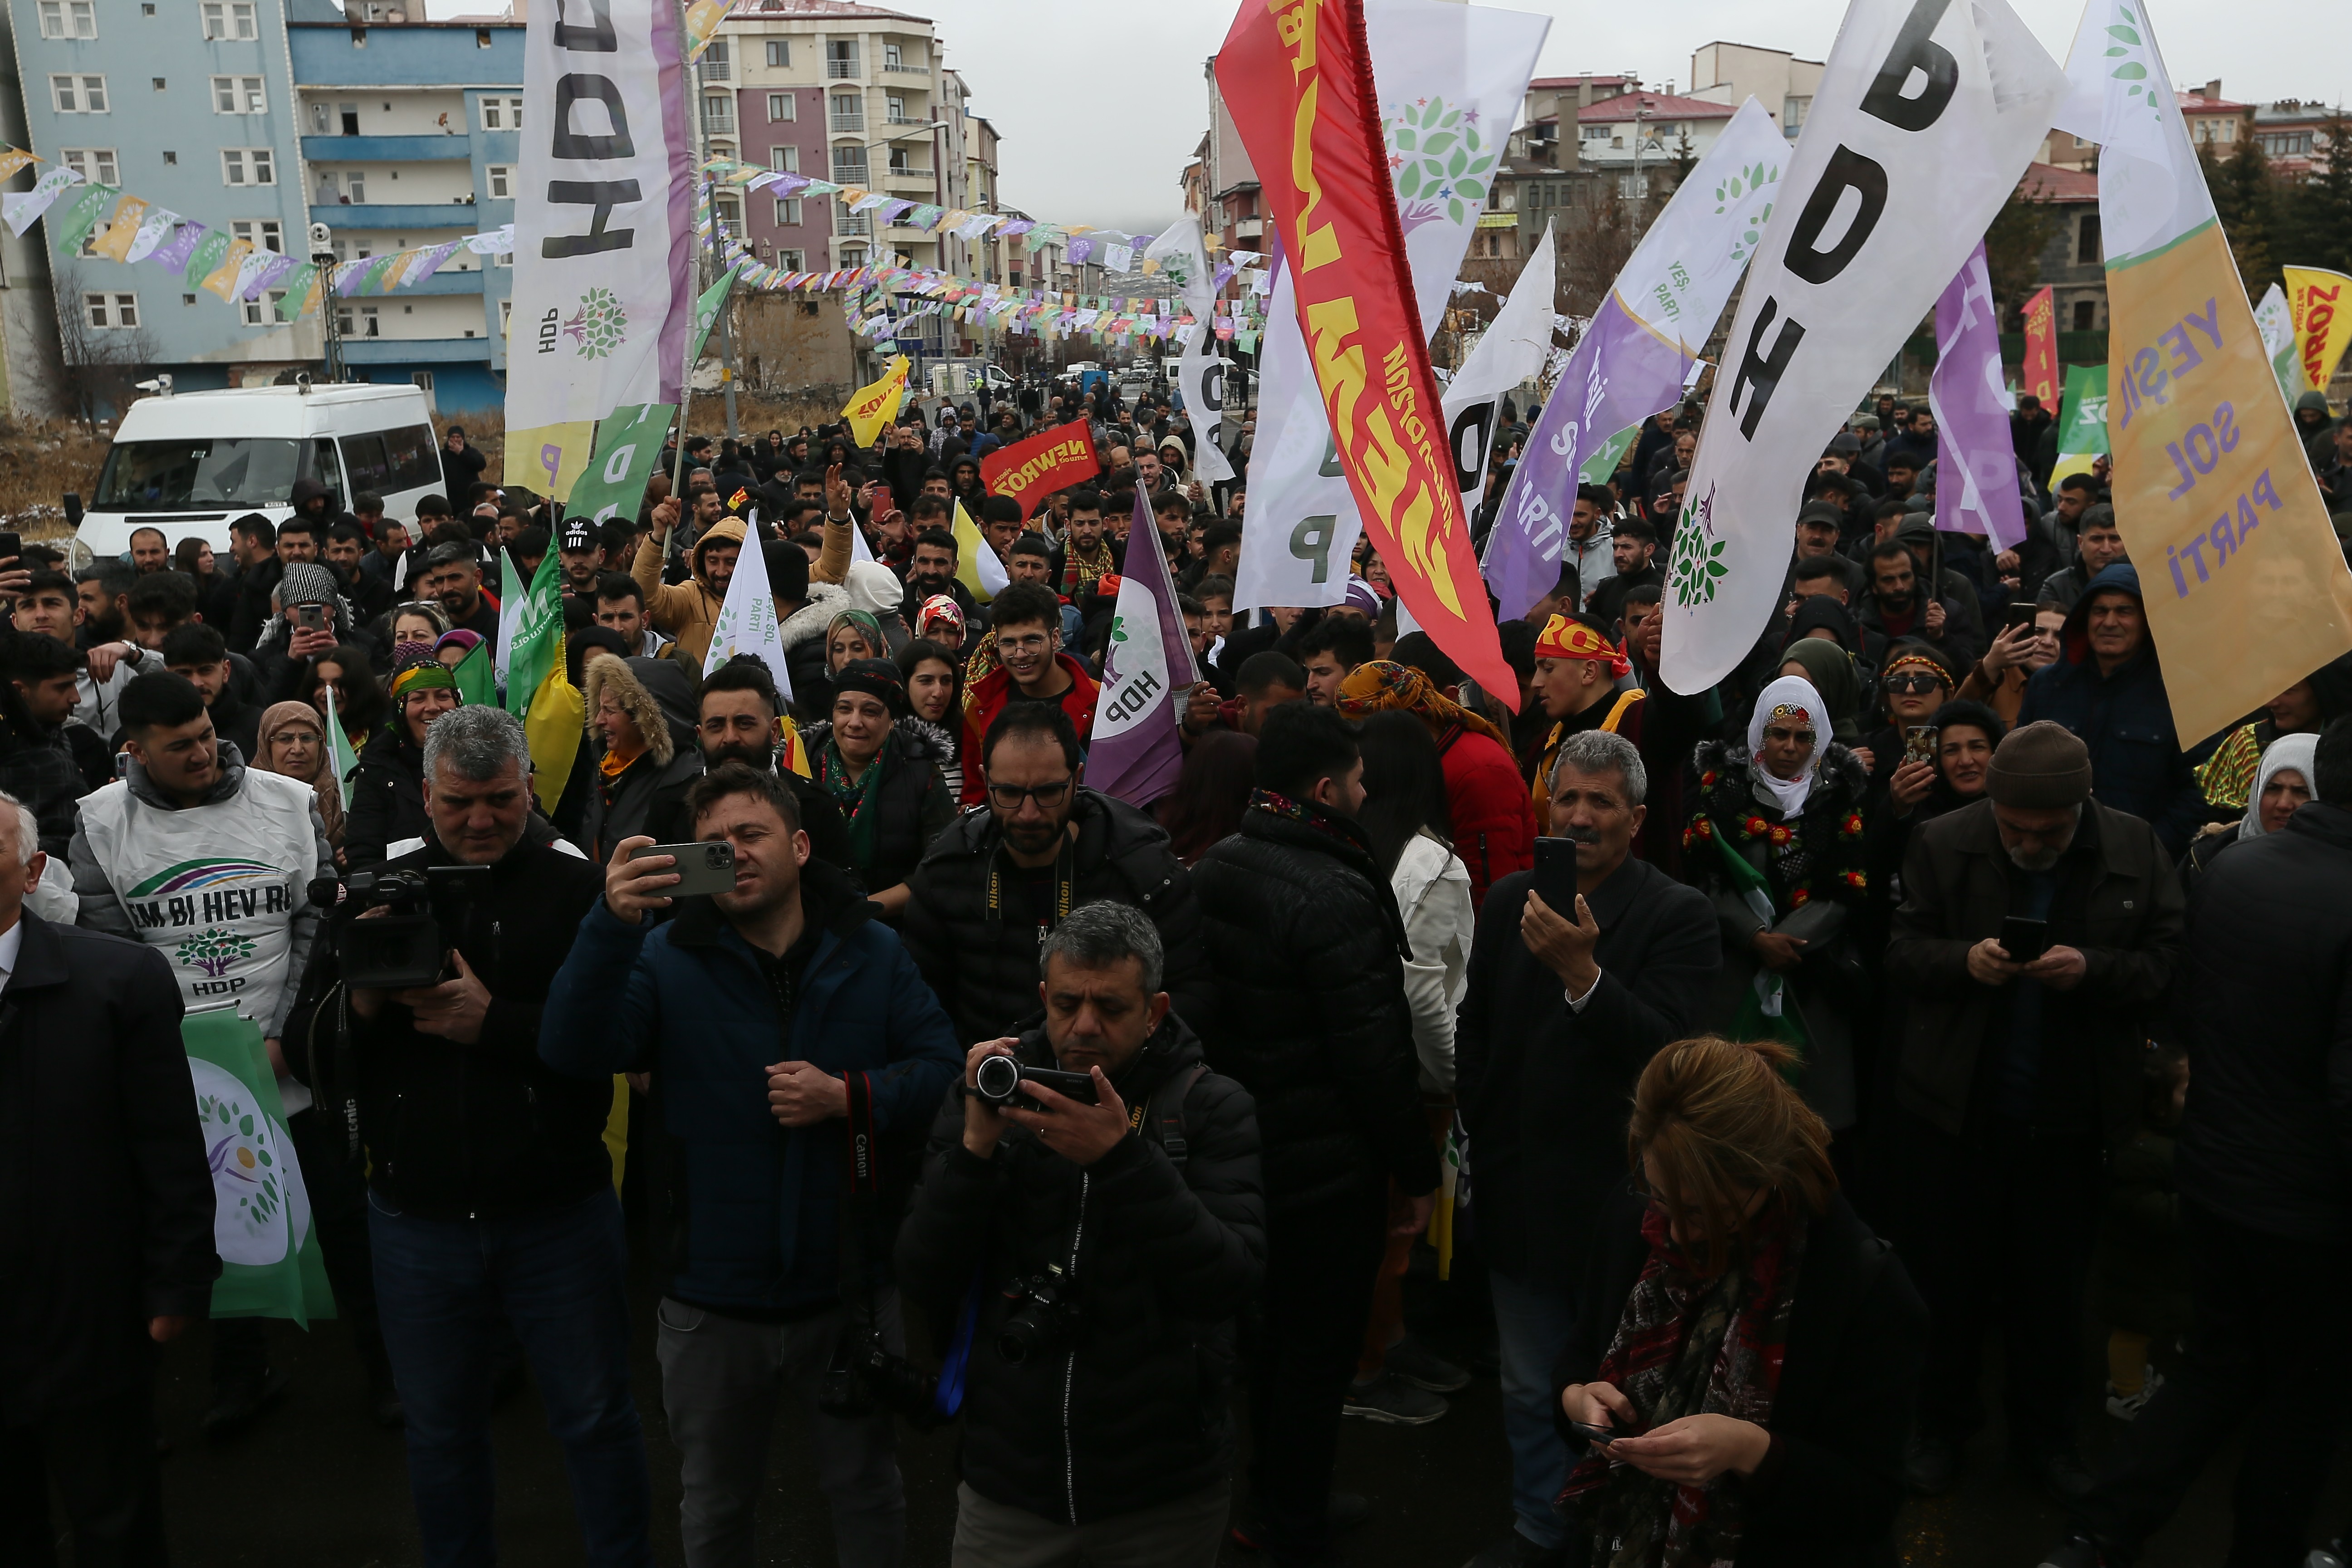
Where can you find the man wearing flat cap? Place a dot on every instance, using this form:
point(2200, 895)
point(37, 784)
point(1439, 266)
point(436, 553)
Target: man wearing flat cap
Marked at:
point(2036, 937)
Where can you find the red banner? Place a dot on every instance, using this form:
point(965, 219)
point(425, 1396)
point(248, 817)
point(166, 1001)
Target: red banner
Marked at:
point(1297, 76)
point(1031, 470)
point(2040, 374)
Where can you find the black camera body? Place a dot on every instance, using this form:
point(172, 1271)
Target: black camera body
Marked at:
point(425, 912)
point(1045, 1318)
point(862, 1374)
point(998, 1080)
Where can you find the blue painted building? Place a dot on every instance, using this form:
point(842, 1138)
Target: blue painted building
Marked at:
point(408, 138)
point(191, 104)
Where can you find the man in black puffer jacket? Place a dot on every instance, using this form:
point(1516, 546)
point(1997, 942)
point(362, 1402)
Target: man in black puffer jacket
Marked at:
point(1040, 859)
point(1111, 1438)
point(1308, 947)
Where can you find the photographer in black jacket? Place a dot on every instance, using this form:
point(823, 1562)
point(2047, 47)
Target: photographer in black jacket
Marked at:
point(490, 1193)
point(1105, 1248)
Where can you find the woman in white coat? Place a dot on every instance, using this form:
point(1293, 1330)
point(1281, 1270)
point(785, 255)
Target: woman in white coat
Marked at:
point(1405, 816)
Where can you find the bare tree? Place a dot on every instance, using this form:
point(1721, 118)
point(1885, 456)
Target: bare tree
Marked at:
point(102, 364)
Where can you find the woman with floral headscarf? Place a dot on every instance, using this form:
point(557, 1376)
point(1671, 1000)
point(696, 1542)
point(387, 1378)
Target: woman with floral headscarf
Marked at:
point(1776, 838)
point(388, 785)
point(1493, 820)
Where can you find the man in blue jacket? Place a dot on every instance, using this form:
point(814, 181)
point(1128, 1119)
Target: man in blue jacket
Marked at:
point(2107, 688)
point(752, 1009)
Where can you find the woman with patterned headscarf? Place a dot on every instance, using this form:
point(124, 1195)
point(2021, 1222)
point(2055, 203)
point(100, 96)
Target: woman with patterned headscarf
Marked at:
point(1493, 820)
point(1776, 839)
point(388, 785)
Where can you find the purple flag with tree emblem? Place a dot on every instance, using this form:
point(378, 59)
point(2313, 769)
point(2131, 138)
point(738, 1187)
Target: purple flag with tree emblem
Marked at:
point(1976, 465)
point(1148, 673)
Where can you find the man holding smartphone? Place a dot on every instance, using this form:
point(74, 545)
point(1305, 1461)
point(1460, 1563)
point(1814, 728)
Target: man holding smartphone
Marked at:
point(2012, 1077)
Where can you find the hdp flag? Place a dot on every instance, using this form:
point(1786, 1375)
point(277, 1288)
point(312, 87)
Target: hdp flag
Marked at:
point(1137, 751)
point(538, 692)
point(270, 1262)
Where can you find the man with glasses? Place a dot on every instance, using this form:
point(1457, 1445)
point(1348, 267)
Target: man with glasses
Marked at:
point(1031, 667)
point(2013, 1070)
point(997, 882)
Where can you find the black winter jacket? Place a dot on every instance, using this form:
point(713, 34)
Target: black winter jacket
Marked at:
point(912, 802)
point(2263, 997)
point(455, 1131)
point(984, 967)
point(94, 1081)
point(1826, 1493)
point(1308, 947)
point(1545, 1092)
point(1140, 1411)
point(387, 798)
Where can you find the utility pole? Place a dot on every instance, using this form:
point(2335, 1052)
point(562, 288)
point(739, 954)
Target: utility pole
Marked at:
point(322, 257)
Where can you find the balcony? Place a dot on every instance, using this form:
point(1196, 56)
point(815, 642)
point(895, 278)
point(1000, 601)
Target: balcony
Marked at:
point(718, 117)
point(462, 217)
point(385, 148)
point(844, 124)
point(897, 179)
point(716, 70)
point(905, 71)
point(838, 68)
point(417, 351)
point(848, 174)
point(448, 280)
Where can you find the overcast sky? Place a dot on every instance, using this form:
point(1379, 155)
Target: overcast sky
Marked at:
point(1100, 103)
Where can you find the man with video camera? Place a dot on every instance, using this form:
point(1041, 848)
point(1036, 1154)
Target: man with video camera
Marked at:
point(787, 1033)
point(1093, 1239)
point(491, 1196)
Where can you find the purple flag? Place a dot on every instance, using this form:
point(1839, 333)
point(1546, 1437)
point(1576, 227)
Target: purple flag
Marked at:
point(1975, 466)
point(1619, 373)
point(1137, 751)
point(271, 270)
point(172, 254)
point(433, 260)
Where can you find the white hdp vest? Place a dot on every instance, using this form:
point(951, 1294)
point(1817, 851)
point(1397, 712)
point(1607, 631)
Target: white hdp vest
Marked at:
point(214, 886)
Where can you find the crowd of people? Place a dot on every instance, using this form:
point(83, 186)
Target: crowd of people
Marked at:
point(1746, 1058)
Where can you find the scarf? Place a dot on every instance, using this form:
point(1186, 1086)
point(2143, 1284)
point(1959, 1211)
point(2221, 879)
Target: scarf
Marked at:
point(854, 796)
point(1790, 697)
point(329, 789)
point(2297, 753)
point(1831, 669)
point(617, 762)
point(1082, 568)
point(1688, 1345)
point(868, 624)
point(1380, 685)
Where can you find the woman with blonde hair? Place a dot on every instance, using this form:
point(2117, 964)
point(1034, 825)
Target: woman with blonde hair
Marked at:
point(1756, 1345)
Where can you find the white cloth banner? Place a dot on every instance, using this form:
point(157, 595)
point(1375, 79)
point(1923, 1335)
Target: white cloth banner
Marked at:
point(1511, 350)
point(1927, 114)
point(153, 230)
point(1476, 61)
point(747, 618)
point(19, 209)
point(1201, 376)
point(603, 293)
point(1183, 261)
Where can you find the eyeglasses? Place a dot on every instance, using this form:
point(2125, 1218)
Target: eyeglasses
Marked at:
point(1008, 797)
point(1912, 683)
point(1032, 642)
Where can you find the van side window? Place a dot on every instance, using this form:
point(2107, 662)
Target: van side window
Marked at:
point(414, 457)
point(363, 459)
point(325, 468)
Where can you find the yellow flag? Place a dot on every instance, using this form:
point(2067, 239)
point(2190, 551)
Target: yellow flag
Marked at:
point(12, 160)
point(223, 281)
point(977, 567)
point(552, 729)
point(2321, 303)
point(872, 407)
point(115, 239)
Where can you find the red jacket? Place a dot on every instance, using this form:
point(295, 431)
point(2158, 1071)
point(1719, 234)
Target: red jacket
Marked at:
point(1493, 820)
point(986, 699)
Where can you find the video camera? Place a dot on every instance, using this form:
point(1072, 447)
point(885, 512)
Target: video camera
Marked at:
point(427, 912)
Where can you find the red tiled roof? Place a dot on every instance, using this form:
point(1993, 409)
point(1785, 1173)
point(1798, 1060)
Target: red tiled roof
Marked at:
point(1659, 105)
point(2197, 103)
point(1552, 83)
point(2049, 182)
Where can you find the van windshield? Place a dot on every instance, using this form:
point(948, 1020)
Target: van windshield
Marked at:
point(199, 472)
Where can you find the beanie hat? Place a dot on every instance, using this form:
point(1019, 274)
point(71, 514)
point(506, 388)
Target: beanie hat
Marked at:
point(876, 677)
point(306, 582)
point(2043, 766)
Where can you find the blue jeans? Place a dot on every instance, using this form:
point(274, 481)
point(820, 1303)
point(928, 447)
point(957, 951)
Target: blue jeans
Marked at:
point(1533, 1326)
point(443, 1288)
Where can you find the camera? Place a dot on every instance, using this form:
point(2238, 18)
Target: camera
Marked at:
point(863, 1373)
point(426, 913)
point(1046, 1320)
point(998, 1081)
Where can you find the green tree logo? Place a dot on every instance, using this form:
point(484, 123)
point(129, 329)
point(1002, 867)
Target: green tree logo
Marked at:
point(1744, 187)
point(1439, 160)
point(236, 1148)
point(2126, 48)
point(215, 951)
point(1698, 563)
point(600, 326)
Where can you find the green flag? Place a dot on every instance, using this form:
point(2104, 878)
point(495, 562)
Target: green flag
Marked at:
point(297, 291)
point(270, 1263)
point(206, 259)
point(1603, 463)
point(1766, 1010)
point(707, 309)
point(538, 635)
point(339, 745)
point(82, 217)
point(2081, 421)
point(477, 683)
point(628, 450)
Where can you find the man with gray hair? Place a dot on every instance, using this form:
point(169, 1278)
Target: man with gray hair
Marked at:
point(490, 1192)
point(1127, 1201)
point(1581, 970)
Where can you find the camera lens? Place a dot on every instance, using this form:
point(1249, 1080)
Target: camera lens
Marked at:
point(718, 856)
point(997, 1078)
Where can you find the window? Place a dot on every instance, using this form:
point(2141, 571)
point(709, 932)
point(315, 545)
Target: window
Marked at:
point(355, 186)
point(849, 165)
point(69, 18)
point(780, 52)
point(892, 56)
point(501, 113)
point(897, 106)
point(411, 455)
point(848, 111)
point(787, 159)
point(2086, 240)
point(249, 166)
point(261, 312)
point(1793, 111)
point(78, 94)
point(262, 234)
point(423, 378)
point(730, 211)
point(2086, 314)
point(230, 19)
point(718, 113)
point(793, 261)
point(788, 212)
point(363, 461)
point(348, 114)
point(95, 164)
point(782, 107)
point(501, 181)
point(1633, 187)
point(848, 222)
point(170, 157)
point(506, 314)
point(361, 324)
point(853, 255)
point(500, 259)
point(109, 311)
point(2275, 143)
point(321, 120)
point(898, 163)
point(841, 58)
point(239, 95)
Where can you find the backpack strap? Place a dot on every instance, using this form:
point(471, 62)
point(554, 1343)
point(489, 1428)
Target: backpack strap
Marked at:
point(1163, 1113)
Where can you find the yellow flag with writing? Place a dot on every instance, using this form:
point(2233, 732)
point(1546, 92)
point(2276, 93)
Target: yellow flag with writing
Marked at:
point(872, 407)
point(2321, 303)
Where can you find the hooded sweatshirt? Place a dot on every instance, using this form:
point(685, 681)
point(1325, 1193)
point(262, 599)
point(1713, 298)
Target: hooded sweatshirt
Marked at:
point(688, 611)
point(648, 795)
